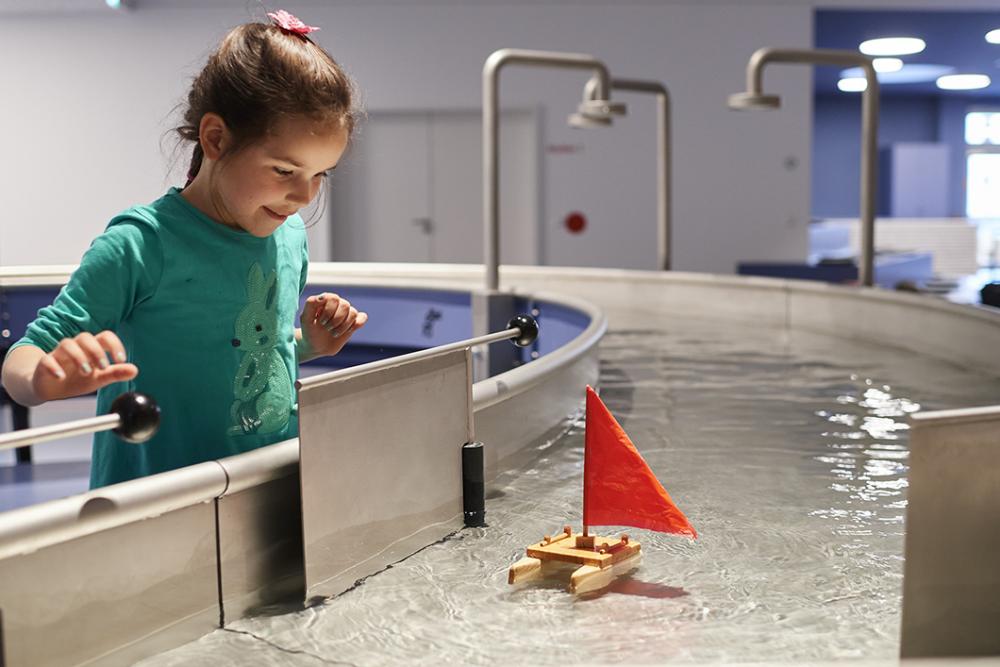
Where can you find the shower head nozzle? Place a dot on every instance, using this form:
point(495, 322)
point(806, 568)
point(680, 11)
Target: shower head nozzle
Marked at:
point(744, 101)
point(601, 108)
point(596, 113)
point(580, 121)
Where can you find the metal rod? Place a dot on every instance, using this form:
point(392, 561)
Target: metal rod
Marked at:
point(404, 358)
point(663, 195)
point(491, 135)
point(869, 129)
point(66, 430)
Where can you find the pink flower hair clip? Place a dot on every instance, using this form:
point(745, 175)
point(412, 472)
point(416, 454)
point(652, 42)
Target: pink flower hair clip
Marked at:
point(290, 24)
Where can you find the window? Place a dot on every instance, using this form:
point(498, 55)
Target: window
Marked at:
point(982, 194)
point(982, 162)
point(982, 128)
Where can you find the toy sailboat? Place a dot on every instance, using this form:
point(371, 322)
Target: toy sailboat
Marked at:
point(619, 489)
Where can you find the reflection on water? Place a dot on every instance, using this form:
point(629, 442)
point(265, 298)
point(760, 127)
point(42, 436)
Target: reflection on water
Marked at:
point(788, 454)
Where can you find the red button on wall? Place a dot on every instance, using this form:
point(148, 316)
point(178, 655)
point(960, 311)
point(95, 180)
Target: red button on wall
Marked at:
point(575, 222)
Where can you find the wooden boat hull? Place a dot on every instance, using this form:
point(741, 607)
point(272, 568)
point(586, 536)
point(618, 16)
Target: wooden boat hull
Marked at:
point(600, 560)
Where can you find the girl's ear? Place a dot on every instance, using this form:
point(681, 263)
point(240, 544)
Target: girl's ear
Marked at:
point(213, 136)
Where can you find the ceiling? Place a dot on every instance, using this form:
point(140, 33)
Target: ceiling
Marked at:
point(954, 38)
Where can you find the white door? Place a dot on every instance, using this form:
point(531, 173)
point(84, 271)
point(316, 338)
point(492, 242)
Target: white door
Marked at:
point(410, 189)
point(379, 197)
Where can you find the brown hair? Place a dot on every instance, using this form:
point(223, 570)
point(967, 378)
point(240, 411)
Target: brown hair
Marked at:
point(259, 74)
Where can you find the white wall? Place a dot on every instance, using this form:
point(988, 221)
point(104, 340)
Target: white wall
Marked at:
point(88, 97)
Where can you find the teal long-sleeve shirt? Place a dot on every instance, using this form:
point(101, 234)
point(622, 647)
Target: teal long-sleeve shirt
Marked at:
point(207, 313)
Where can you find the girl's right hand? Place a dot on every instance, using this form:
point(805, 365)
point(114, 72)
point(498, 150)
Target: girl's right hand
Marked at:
point(81, 365)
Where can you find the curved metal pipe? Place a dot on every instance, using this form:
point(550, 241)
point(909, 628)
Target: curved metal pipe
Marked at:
point(522, 328)
point(42, 434)
point(869, 127)
point(491, 113)
point(134, 418)
point(662, 156)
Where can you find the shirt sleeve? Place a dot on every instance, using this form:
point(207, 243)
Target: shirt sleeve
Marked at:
point(305, 264)
point(121, 269)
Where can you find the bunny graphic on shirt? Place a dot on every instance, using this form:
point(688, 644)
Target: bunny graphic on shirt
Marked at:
point(262, 387)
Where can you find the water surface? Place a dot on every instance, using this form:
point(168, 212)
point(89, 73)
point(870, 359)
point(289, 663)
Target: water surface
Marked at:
point(787, 452)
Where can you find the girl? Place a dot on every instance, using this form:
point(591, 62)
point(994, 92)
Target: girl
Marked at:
point(198, 290)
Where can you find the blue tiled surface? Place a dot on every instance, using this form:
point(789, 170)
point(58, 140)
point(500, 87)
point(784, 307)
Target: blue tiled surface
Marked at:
point(400, 321)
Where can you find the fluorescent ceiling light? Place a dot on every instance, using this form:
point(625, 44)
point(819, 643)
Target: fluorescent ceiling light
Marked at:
point(963, 81)
point(892, 46)
point(993, 36)
point(852, 85)
point(908, 73)
point(887, 64)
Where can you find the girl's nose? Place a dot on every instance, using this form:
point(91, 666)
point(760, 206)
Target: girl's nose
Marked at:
point(302, 193)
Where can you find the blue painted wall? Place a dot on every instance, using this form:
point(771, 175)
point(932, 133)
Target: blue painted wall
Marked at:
point(836, 150)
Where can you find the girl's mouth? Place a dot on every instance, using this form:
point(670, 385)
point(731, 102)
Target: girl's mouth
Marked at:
point(275, 215)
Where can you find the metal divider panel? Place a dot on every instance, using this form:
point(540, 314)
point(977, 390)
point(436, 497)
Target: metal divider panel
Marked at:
point(951, 582)
point(260, 530)
point(114, 596)
point(380, 465)
point(114, 574)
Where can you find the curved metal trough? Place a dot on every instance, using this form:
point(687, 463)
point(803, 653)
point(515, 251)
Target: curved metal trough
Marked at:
point(132, 569)
point(232, 525)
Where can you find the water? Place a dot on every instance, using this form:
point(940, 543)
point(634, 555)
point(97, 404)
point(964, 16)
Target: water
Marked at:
point(789, 456)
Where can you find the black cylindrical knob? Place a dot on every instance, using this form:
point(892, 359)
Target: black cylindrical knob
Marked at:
point(140, 416)
point(473, 484)
point(528, 327)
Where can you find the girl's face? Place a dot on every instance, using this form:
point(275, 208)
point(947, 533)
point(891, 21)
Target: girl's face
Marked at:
point(269, 180)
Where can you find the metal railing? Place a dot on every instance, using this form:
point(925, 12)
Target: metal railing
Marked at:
point(134, 417)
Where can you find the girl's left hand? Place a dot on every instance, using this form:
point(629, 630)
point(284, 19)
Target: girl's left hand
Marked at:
point(328, 321)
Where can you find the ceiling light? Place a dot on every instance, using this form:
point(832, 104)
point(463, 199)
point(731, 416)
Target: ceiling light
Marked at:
point(887, 64)
point(993, 36)
point(852, 85)
point(908, 73)
point(892, 46)
point(963, 81)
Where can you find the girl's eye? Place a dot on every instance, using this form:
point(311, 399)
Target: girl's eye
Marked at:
point(322, 174)
point(282, 172)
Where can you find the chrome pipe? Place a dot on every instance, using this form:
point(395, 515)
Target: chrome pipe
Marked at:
point(526, 331)
point(869, 126)
point(35, 436)
point(491, 114)
point(663, 195)
point(134, 417)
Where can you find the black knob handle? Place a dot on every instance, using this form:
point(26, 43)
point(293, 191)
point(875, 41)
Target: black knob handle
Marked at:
point(528, 327)
point(140, 416)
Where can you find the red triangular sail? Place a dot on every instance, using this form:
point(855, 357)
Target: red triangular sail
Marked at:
point(619, 489)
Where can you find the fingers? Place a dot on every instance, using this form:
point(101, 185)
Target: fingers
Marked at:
point(71, 357)
point(87, 352)
point(313, 306)
point(113, 346)
point(96, 357)
point(319, 307)
point(116, 373)
point(49, 363)
point(332, 312)
point(345, 322)
point(80, 365)
point(84, 354)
